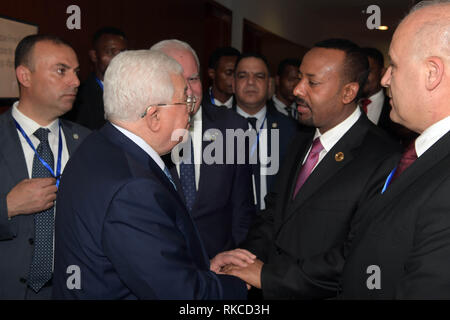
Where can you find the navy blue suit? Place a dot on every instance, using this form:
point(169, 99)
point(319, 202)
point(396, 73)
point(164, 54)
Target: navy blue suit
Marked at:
point(120, 220)
point(224, 205)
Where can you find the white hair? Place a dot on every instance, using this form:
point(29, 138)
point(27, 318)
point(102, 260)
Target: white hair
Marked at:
point(427, 3)
point(136, 79)
point(174, 44)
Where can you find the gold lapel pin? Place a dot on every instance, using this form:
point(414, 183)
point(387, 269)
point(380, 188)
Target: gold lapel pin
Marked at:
point(274, 125)
point(339, 156)
point(75, 136)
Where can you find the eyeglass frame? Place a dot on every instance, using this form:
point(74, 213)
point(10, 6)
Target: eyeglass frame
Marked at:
point(192, 100)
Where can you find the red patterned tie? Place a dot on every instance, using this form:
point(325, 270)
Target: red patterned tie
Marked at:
point(408, 157)
point(309, 164)
point(364, 104)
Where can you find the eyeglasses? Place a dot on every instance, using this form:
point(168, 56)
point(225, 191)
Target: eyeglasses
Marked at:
point(189, 103)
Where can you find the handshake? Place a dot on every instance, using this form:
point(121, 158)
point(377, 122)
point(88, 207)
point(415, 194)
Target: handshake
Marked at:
point(239, 263)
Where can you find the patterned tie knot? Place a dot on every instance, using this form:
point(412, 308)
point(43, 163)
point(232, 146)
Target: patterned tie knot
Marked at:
point(317, 147)
point(42, 134)
point(252, 121)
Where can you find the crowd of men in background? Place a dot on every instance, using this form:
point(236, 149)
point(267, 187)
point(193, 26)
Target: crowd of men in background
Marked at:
point(358, 196)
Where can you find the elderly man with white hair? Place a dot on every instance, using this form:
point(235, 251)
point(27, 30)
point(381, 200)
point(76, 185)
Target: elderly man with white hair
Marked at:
point(122, 231)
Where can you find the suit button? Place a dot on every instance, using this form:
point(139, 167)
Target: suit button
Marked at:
point(278, 251)
point(31, 241)
point(23, 280)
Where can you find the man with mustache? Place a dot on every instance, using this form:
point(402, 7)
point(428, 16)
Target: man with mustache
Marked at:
point(402, 248)
point(325, 177)
point(36, 145)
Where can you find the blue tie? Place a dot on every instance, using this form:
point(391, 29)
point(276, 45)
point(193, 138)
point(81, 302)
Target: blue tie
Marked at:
point(42, 262)
point(187, 179)
point(169, 176)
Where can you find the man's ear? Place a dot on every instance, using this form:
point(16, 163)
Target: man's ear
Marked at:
point(211, 73)
point(233, 84)
point(277, 81)
point(93, 56)
point(434, 68)
point(23, 75)
point(349, 92)
point(153, 119)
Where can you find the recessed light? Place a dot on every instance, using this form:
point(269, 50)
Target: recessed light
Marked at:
point(383, 28)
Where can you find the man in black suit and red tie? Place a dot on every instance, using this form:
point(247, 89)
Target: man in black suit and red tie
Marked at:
point(324, 179)
point(401, 249)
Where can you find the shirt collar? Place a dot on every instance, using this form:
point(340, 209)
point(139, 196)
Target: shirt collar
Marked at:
point(30, 126)
point(431, 135)
point(259, 115)
point(143, 145)
point(332, 136)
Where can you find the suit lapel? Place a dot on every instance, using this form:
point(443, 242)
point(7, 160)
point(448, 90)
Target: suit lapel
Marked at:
point(328, 167)
point(72, 137)
point(12, 148)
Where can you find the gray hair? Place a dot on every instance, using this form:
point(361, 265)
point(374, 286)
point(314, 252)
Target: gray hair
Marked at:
point(427, 3)
point(174, 44)
point(136, 79)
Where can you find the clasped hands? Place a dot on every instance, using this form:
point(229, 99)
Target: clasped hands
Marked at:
point(239, 263)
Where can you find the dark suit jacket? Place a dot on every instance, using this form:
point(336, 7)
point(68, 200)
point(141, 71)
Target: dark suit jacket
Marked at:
point(88, 109)
point(287, 129)
point(224, 205)
point(16, 235)
point(300, 240)
point(120, 220)
point(406, 233)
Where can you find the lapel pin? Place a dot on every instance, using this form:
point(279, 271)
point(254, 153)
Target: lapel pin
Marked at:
point(339, 156)
point(274, 125)
point(75, 136)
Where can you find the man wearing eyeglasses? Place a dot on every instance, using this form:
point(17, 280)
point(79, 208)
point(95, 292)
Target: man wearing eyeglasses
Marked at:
point(122, 230)
point(218, 194)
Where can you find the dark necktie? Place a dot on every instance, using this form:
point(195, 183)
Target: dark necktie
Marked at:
point(252, 122)
point(364, 104)
point(408, 157)
point(187, 178)
point(309, 165)
point(42, 262)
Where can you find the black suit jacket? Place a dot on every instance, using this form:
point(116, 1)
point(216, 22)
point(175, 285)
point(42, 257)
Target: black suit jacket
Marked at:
point(88, 109)
point(16, 235)
point(300, 240)
point(224, 205)
point(406, 233)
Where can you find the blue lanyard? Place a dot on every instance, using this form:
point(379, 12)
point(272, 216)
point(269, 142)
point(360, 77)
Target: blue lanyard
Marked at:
point(57, 176)
point(388, 180)
point(257, 136)
point(99, 82)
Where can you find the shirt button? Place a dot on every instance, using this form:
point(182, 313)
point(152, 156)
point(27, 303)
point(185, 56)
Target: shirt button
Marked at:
point(23, 280)
point(31, 241)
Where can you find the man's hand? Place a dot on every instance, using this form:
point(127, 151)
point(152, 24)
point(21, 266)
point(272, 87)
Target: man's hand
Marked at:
point(250, 274)
point(31, 196)
point(238, 257)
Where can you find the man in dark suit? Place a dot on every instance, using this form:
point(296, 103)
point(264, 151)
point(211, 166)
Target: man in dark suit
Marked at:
point(35, 146)
point(122, 231)
point(221, 70)
point(218, 194)
point(88, 108)
point(401, 249)
point(375, 103)
point(285, 82)
point(324, 179)
point(274, 130)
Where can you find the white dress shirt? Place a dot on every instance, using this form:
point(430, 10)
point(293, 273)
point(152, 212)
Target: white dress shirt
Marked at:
point(261, 125)
point(29, 126)
point(143, 145)
point(228, 103)
point(332, 136)
point(375, 107)
point(431, 135)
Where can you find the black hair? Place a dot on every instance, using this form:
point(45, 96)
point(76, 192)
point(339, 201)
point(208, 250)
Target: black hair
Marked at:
point(288, 62)
point(375, 54)
point(356, 65)
point(22, 55)
point(107, 30)
point(254, 55)
point(222, 52)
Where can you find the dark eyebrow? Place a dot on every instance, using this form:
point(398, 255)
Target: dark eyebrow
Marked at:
point(63, 65)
